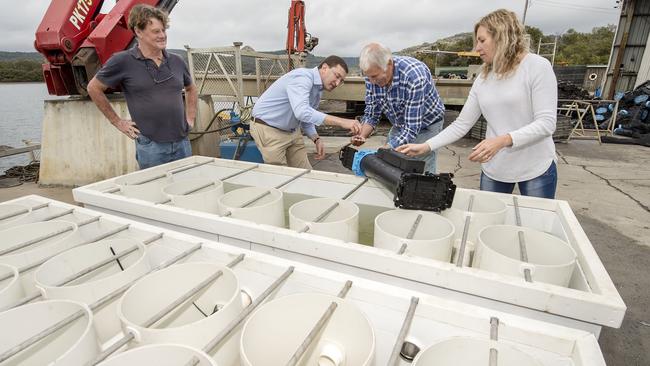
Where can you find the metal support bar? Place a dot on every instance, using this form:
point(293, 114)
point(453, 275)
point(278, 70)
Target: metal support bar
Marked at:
point(160, 176)
point(322, 321)
point(239, 172)
point(262, 195)
point(402, 333)
point(188, 192)
point(113, 295)
point(333, 206)
point(23, 211)
point(38, 239)
point(292, 179)
point(89, 269)
point(414, 227)
point(41, 335)
point(187, 295)
point(523, 251)
point(463, 242)
point(494, 335)
point(56, 216)
point(235, 322)
point(97, 238)
point(410, 235)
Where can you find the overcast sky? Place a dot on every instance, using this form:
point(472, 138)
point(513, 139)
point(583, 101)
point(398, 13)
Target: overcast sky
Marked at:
point(343, 26)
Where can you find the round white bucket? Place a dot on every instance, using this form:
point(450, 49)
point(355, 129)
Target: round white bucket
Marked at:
point(38, 251)
point(204, 199)
point(432, 238)
point(150, 191)
point(97, 284)
point(550, 259)
point(75, 344)
point(275, 330)
point(469, 351)
point(186, 324)
point(341, 223)
point(10, 289)
point(486, 211)
point(11, 209)
point(166, 354)
point(267, 210)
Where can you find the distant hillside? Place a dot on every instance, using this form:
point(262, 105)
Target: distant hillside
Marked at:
point(14, 56)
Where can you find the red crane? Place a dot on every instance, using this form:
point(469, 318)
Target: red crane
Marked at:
point(76, 39)
point(298, 40)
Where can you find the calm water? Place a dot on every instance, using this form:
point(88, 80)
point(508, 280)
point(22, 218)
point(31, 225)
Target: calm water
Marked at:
point(21, 116)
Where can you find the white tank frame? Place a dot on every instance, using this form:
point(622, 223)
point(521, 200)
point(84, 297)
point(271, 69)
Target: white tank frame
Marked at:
point(593, 301)
point(385, 305)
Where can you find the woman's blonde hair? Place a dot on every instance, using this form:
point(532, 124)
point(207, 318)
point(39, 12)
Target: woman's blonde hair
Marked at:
point(509, 38)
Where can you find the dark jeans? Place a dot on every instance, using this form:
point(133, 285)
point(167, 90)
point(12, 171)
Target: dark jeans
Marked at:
point(543, 186)
point(150, 153)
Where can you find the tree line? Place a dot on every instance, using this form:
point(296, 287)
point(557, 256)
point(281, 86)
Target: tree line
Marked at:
point(573, 47)
point(20, 70)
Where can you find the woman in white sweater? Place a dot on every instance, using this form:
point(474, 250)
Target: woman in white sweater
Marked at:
point(517, 94)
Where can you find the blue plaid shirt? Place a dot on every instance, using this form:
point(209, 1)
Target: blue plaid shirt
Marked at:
point(411, 102)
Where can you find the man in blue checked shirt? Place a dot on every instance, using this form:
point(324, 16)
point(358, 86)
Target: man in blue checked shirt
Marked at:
point(289, 105)
point(402, 89)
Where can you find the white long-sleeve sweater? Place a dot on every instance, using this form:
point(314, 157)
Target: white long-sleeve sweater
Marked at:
point(523, 105)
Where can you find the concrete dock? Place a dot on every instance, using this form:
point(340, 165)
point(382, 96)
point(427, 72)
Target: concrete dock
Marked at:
point(608, 187)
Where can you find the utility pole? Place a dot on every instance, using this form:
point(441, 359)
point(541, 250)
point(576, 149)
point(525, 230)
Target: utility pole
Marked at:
point(523, 21)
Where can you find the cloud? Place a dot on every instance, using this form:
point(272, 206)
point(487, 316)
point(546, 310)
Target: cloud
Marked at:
point(343, 26)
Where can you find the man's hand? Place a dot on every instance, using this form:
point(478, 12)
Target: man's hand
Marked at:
point(351, 124)
point(414, 149)
point(190, 123)
point(320, 149)
point(486, 149)
point(127, 127)
point(357, 140)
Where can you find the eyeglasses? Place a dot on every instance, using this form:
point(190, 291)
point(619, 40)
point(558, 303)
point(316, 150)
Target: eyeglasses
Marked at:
point(156, 73)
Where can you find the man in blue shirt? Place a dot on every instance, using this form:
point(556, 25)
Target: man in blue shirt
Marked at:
point(152, 81)
point(289, 105)
point(402, 89)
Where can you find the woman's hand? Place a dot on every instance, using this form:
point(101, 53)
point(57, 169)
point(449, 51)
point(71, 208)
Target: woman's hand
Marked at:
point(414, 149)
point(486, 149)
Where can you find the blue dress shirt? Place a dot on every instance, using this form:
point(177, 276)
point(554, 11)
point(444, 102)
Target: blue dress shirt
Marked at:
point(291, 101)
point(411, 102)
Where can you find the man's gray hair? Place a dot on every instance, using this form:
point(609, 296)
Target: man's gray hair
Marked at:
point(374, 54)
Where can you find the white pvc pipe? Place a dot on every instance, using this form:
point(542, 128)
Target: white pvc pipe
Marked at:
point(185, 324)
point(341, 223)
point(276, 329)
point(97, 284)
point(150, 191)
point(10, 289)
point(205, 199)
point(166, 354)
point(550, 259)
point(72, 345)
point(470, 351)
point(485, 211)
point(38, 251)
point(432, 238)
point(267, 210)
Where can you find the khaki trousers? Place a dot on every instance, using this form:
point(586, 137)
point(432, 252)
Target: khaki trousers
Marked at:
point(279, 147)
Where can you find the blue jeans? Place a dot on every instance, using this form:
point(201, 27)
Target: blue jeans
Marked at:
point(424, 135)
point(150, 153)
point(543, 186)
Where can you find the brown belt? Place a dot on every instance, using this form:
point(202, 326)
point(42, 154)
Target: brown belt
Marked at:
point(257, 120)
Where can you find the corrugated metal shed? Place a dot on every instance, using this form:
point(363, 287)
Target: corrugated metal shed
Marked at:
point(628, 62)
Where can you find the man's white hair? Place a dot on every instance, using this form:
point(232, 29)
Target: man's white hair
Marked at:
point(374, 54)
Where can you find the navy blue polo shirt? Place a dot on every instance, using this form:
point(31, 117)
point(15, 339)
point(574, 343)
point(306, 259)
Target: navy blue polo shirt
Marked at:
point(154, 94)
